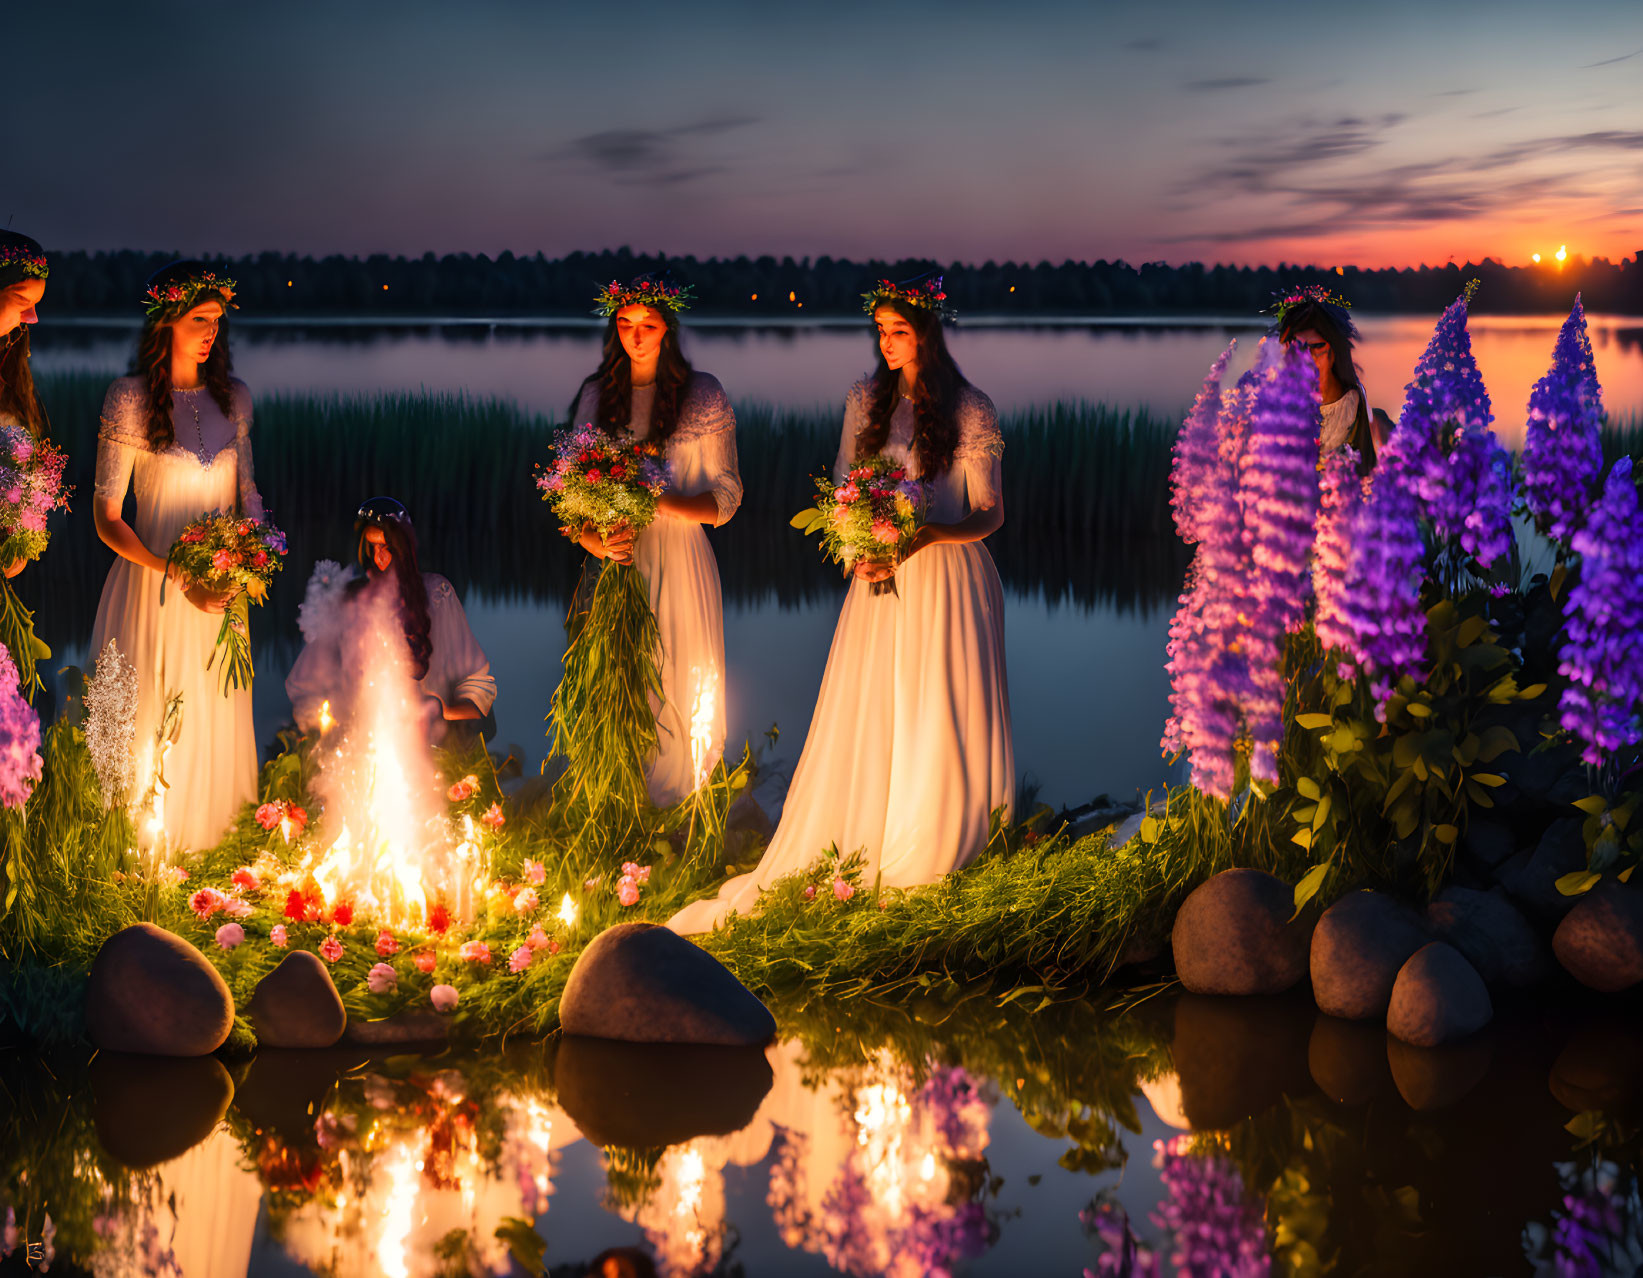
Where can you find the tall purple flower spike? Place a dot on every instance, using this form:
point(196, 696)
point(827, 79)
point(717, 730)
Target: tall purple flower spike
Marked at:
point(1280, 486)
point(1380, 605)
point(1216, 1225)
point(1340, 498)
point(20, 763)
point(1601, 657)
point(1562, 443)
point(1449, 453)
point(1196, 450)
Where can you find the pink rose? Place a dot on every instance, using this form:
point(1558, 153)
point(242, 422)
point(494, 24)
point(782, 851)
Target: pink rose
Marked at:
point(277, 936)
point(493, 819)
point(475, 952)
point(229, 935)
point(244, 879)
point(238, 909)
point(885, 532)
point(843, 890)
point(525, 902)
point(810, 891)
point(223, 561)
point(330, 949)
point(538, 939)
point(443, 997)
point(535, 873)
point(206, 902)
point(386, 944)
point(627, 891)
point(520, 959)
point(847, 494)
point(425, 961)
point(382, 979)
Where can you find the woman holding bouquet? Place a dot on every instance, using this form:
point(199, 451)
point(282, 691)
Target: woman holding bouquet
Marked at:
point(177, 431)
point(645, 387)
point(909, 750)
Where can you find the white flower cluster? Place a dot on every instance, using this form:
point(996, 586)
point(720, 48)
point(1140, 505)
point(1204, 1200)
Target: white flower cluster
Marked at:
point(111, 724)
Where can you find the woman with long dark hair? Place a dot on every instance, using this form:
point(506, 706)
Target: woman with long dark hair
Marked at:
point(909, 751)
point(1318, 320)
point(439, 649)
point(23, 273)
point(645, 387)
point(176, 431)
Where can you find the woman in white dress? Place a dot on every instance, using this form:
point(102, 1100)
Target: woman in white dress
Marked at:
point(451, 669)
point(645, 386)
point(909, 751)
point(177, 431)
point(1318, 320)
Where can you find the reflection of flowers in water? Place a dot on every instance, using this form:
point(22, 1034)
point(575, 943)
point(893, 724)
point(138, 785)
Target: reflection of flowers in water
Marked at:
point(137, 1237)
point(683, 1214)
point(1597, 1232)
point(904, 1200)
point(1218, 1228)
point(1122, 1254)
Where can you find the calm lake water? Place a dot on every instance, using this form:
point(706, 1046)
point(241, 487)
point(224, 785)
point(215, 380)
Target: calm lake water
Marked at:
point(1087, 685)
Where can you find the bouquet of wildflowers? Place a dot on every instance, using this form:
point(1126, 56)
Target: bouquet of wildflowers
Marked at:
point(238, 555)
point(869, 518)
point(31, 487)
point(602, 479)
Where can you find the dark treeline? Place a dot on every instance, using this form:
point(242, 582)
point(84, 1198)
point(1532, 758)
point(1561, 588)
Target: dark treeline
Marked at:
point(765, 287)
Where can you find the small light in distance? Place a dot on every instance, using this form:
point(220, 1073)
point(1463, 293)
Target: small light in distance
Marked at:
point(1562, 253)
point(1534, 257)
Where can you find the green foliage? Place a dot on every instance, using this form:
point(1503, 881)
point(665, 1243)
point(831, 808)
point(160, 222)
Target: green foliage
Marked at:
point(17, 633)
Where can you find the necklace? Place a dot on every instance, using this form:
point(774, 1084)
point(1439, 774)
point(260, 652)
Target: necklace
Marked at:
point(199, 432)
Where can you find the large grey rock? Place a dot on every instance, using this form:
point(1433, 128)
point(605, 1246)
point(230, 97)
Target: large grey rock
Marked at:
point(1491, 933)
point(153, 993)
point(1600, 941)
point(1358, 947)
point(1533, 883)
point(150, 1109)
point(644, 984)
point(296, 1005)
point(1233, 935)
point(1438, 998)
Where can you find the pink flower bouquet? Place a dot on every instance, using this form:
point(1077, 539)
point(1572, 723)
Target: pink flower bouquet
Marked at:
point(602, 479)
point(239, 555)
point(869, 518)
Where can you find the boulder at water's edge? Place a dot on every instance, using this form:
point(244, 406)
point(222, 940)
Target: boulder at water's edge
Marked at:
point(1358, 947)
point(153, 993)
point(1233, 935)
point(1438, 998)
point(1600, 941)
point(297, 1004)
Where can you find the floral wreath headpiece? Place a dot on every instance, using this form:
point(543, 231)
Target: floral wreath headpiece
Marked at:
point(647, 290)
point(181, 295)
point(1289, 299)
point(17, 258)
point(926, 293)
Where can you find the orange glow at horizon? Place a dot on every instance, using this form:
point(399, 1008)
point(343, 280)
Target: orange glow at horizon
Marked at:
point(1420, 246)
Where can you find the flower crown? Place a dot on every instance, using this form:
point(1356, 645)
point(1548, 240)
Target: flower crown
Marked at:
point(1288, 300)
point(182, 294)
point(29, 262)
point(647, 290)
point(926, 293)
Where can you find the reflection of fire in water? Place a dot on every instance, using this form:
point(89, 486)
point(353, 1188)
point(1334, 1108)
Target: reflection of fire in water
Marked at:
point(398, 1215)
point(391, 849)
point(683, 1217)
point(703, 712)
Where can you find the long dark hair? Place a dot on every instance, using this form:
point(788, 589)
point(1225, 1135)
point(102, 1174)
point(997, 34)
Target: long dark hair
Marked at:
point(1340, 335)
point(17, 395)
point(411, 592)
point(614, 378)
point(935, 397)
point(152, 362)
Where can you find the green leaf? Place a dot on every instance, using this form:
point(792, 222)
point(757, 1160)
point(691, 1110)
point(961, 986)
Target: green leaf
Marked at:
point(1577, 882)
point(1419, 709)
point(1531, 692)
point(1470, 631)
point(805, 519)
point(1149, 829)
point(1308, 887)
point(1304, 813)
point(1489, 779)
point(1395, 792)
point(1559, 575)
point(1303, 837)
point(1495, 742)
point(1308, 787)
point(1343, 740)
point(1592, 804)
point(1323, 813)
point(1313, 722)
point(1585, 1125)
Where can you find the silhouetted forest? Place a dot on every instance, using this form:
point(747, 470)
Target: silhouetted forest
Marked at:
point(768, 288)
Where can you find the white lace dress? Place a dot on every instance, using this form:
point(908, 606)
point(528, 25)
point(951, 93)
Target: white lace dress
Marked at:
point(211, 767)
point(683, 577)
point(909, 750)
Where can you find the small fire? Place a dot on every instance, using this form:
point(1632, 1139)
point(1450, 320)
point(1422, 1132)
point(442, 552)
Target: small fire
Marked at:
point(326, 722)
point(702, 715)
point(567, 911)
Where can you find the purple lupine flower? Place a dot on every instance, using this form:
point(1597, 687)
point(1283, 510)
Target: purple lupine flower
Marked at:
point(1197, 450)
point(1595, 1232)
point(1280, 486)
point(1339, 500)
point(1562, 442)
point(1448, 451)
point(20, 763)
point(957, 1110)
point(1122, 1254)
point(1601, 656)
point(1380, 605)
point(1218, 1230)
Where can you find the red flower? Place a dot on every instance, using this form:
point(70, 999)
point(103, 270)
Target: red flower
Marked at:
point(243, 879)
point(463, 790)
point(269, 814)
point(296, 907)
point(425, 961)
point(260, 559)
point(343, 914)
point(330, 949)
point(297, 816)
point(439, 919)
point(493, 819)
point(594, 476)
point(386, 944)
point(618, 471)
point(206, 902)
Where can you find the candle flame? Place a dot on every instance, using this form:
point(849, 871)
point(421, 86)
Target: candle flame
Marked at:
point(702, 716)
point(326, 722)
point(567, 911)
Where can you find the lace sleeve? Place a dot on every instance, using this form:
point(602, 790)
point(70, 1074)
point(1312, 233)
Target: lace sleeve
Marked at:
point(120, 437)
point(708, 423)
point(980, 451)
point(458, 669)
point(855, 417)
point(250, 498)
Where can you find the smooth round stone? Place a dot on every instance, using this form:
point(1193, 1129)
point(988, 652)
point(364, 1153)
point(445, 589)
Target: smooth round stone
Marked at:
point(153, 993)
point(1438, 998)
point(640, 983)
point(1358, 947)
point(1600, 941)
point(1491, 933)
point(297, 1004)
point(1233, 935)
point(150, 1109)
point(1533, 880)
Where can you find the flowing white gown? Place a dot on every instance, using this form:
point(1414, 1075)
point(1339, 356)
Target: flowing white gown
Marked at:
point(909, 750)
point(211, 767)
point(683, 577)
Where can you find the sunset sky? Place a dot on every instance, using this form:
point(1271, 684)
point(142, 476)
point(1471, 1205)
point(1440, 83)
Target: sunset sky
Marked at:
point(1376, 133)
